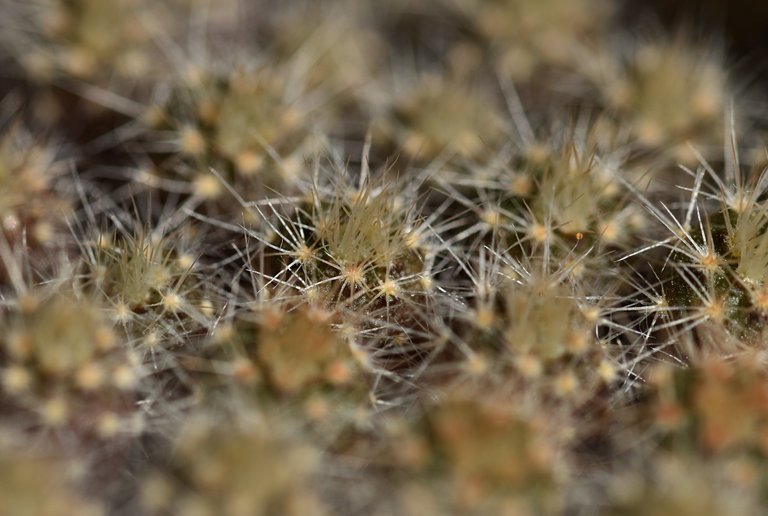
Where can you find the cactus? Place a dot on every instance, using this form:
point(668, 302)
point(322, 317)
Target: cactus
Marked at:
point(357, 257)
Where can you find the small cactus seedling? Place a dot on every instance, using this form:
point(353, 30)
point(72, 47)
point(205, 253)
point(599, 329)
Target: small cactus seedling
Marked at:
point(530, 326)
point(149, 280)
point(360, 252)
point(563, 189)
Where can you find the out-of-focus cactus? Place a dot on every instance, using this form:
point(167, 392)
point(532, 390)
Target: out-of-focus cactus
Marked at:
point(439, 116)
point(470, 455)
point(237, 469)
point(35, 485)
point(29, 202)
point(526, 35)
point(682, 485)
point(251, 123)
point(89, 40)
point(64, 363)
point(291, 357)
point(338, 47)
point(670, 93)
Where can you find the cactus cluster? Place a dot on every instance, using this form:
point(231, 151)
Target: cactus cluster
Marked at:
point(358, 257)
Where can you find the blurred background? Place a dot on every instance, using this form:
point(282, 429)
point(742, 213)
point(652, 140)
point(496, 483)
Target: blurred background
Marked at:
point(740, 23)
